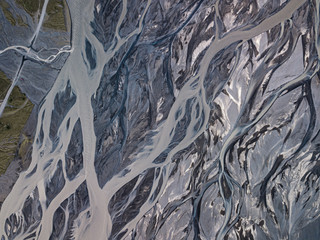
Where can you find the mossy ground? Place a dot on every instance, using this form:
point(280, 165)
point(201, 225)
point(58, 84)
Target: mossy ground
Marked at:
point(55, 18)
point(12, 122)
point(13, 17)
point(5, 7)
point(31, 6)
point(56, 15)
point(19, 107)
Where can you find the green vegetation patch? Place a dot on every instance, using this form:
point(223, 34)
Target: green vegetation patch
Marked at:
point(7, 13)
point(21, 22)
point(56, 15)
point(55, 18)
point(31, 6)
point(14, 118)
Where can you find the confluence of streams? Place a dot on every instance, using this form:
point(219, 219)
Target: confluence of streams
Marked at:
point(84, 80)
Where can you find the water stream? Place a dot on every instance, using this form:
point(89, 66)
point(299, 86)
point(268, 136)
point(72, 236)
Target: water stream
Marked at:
point(139, 138)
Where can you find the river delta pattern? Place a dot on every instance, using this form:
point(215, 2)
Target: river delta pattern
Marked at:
point(174, 120)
